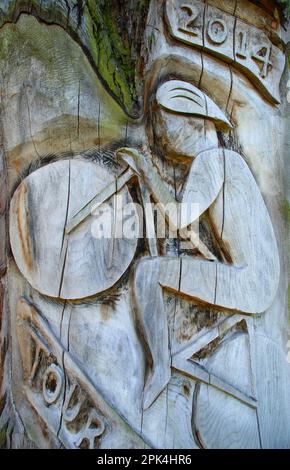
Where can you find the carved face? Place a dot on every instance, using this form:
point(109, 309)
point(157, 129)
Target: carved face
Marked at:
point(183, 137)
point(186, 120)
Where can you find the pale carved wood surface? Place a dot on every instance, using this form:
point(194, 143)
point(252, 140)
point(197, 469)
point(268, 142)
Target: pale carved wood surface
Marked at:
point(67, 265)
point(171, 342)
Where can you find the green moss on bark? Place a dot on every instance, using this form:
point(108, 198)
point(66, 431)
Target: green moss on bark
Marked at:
point(285, 5)
point(111, 54)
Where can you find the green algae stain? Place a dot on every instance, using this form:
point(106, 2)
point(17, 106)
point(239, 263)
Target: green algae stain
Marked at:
point(286, 211)
point(110, 33)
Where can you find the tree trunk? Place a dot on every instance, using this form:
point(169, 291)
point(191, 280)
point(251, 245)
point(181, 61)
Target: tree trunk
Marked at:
point(144, 224)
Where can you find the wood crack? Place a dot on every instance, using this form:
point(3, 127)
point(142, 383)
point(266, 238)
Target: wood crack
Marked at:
point(64, 395)
point(64, 337)
point(224, 184)
point(29, 121)
point(259, 429)
point(230, 92)
point(236, 5)
point(65, 236)
point(79, 93)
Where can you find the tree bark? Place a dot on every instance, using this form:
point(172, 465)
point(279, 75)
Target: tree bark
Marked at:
point(158, 342)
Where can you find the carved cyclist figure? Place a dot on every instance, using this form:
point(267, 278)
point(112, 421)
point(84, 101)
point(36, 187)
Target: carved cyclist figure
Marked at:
point(246, 277)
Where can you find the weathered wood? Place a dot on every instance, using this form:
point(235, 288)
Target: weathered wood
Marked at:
point(46, 254)
point(239, 42)
point(143, 300)
point(99, 29)
point(113, 427)
point(93, 204)
point(236, 193)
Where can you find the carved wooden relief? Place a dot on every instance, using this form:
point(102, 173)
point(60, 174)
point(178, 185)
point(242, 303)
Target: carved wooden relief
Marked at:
point(238, 42)
point(145, 281)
